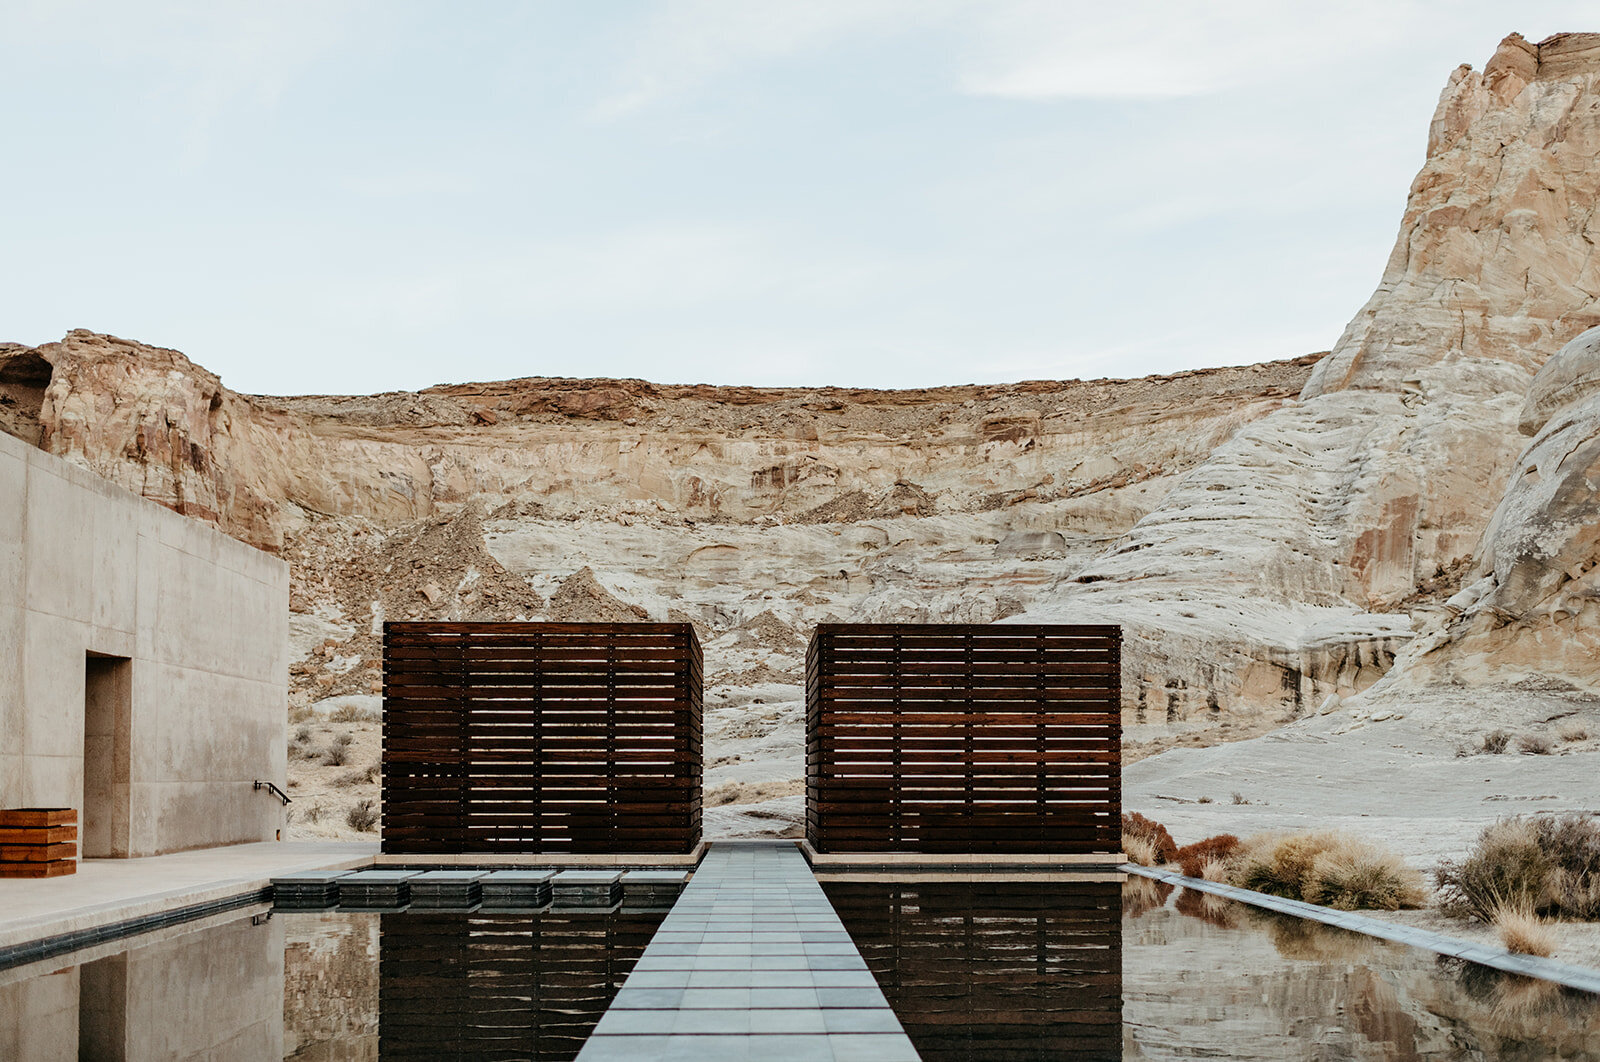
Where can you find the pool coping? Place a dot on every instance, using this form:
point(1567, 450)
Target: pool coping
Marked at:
point(1583, 978)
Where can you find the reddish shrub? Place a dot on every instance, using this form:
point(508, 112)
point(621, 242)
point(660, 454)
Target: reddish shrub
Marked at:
point(1162, 846)
point(1192, 858)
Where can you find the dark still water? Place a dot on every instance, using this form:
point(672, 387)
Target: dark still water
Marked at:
point(990, 970)
point(994, 969)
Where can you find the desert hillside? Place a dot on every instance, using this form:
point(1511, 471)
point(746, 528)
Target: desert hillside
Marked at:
point(1274, 538)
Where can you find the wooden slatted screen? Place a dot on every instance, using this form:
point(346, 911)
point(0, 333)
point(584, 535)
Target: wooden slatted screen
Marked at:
point(541, 737)
point(964, 738)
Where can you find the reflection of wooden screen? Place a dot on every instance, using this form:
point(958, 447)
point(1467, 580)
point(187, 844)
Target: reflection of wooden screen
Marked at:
point(994, 969)
point(541, 737)
point(964, 738)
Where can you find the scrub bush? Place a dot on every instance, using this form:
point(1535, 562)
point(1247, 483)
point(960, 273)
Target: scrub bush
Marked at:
point(362, 816)
point(1550, 866)
point(1150, 838)
point(1534, 744)
point(1328, 868)
point(1495, 741)
point(1193, 859)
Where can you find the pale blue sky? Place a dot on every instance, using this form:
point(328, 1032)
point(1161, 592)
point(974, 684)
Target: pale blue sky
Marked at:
point(356, 196)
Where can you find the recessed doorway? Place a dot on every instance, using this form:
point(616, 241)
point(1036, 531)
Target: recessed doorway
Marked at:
point(107, 718)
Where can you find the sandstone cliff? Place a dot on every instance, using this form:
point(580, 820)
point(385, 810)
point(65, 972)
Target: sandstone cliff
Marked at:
point(1286, 568)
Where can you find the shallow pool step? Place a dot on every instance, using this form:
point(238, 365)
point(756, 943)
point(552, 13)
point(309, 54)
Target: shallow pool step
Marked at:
point(377, 889)
point(447, 888)
point(517, 889)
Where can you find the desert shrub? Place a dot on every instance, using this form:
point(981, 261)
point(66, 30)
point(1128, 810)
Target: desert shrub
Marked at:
point(313, 813)
point(1534, 744)
point(1550, 865)
point(1524, 932)
point(1239, 798)
point(1158, 846)
point(1574, 730)
point(1329, 868)
point(1192, 858)
point(1203, 800)
point(303, 734)
point(302, 750)
point(361, 816)
point(338, 752)
point(1495, 741)
point(359, 776)
point(1353, 875)
point(350, 713)
point(300, 714)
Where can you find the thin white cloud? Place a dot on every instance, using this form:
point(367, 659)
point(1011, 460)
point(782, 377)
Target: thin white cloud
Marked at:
point(690, 43)
point(1148, 49)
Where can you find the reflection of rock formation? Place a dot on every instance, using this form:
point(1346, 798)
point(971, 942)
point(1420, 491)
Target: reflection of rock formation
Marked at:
point(1533, 607)
point(1290, 557)
point(330, 986)
point(1272, 988)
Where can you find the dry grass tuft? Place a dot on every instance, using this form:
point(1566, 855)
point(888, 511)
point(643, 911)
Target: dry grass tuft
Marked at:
point(1158, 845)
point(337, 752)
point(1574, 730)
point(1192, 858)
point(1329, 868)
point(1140, 850)
point(1534, 744)
point(1496, 741)
point(300, 715)
point(349, 713)
point(362, 816)
point(1524, 932)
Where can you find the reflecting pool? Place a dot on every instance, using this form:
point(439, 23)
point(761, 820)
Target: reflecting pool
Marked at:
point(992, 970)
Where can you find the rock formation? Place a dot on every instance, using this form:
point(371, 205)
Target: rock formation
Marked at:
point(1284, 570)
point(1532, 607)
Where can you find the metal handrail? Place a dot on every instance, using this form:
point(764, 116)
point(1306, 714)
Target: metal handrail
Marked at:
point(280, 794)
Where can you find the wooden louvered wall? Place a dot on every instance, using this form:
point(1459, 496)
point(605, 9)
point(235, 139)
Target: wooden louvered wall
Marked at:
point(964, 738)
point(532, 738)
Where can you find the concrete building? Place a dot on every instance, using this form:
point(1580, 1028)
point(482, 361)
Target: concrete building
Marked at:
point(143, 665)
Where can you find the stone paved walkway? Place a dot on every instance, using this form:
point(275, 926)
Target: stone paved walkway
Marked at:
point(752, 963)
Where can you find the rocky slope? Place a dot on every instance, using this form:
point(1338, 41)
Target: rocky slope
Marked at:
point(754, 513)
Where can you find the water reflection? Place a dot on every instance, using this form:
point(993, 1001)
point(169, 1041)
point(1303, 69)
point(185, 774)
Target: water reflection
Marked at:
point(994, 970)
point(1208, 978)
point(501, 985)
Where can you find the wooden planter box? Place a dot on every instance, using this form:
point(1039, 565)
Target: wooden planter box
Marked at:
point(38, 842)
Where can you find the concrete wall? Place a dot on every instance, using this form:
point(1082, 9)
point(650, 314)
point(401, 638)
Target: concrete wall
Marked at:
point(175, 634)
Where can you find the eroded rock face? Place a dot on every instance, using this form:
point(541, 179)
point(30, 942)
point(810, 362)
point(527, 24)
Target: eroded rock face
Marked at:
point(1293, 558)
point(1533, 606)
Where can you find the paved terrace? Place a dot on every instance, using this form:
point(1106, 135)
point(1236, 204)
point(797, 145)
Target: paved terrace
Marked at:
point(105, 892)
point(752, 963)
